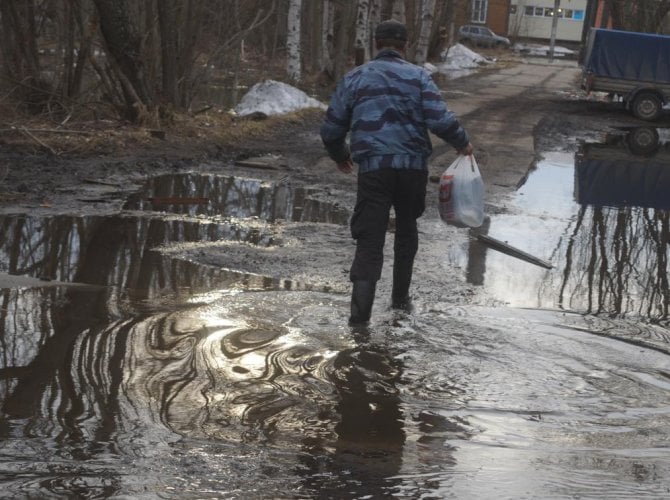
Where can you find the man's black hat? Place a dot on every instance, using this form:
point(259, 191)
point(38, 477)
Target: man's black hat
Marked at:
point(391, 30)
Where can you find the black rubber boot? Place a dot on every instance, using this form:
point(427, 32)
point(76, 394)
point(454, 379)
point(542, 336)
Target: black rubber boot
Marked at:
point(362, 297)
point(402, 277)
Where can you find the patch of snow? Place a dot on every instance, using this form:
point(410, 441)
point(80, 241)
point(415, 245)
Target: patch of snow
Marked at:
point(458, 60)
point(460, 57)
point(535, 49)
point(275, 98)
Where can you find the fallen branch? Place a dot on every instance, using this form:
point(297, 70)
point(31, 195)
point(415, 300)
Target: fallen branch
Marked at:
point(104, 183)
point(201, 110)
point(256, 164)
point(38, 141)
point(46, 130)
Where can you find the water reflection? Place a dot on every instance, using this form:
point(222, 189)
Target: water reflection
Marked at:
point(196, 194)
point(94, 378)
point(366, 453)
point(123, 252)
point(602, 220)
point(93, 392)
point(240, 394)
point(616, 262)
point(632, 170)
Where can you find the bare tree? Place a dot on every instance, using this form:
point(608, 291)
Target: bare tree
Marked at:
point(362, 43)
point(124, 46)
point(328, 36)
point(374, 19)
point(147, 59)
point(427, 12)
point(345, 35)
point(398, 11)
point(293, 66)
point(18, 43)
point(640, 15)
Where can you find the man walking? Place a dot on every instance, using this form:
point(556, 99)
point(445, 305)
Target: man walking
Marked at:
point(388, 105)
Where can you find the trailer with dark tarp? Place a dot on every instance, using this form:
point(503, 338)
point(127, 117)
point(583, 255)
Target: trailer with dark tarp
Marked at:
point(633, 66)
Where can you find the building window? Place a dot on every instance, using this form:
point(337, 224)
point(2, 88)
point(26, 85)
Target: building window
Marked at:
point(531, 10)
point(479, 9)
point(512, 9)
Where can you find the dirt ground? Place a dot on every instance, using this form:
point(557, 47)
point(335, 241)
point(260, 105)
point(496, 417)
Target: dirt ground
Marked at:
point(514, 111)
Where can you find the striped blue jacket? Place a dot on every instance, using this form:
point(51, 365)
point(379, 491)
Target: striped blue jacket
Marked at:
point(388, 105)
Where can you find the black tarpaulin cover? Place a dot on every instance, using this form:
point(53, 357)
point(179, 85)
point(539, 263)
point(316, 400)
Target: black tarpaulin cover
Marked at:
point(628, 55)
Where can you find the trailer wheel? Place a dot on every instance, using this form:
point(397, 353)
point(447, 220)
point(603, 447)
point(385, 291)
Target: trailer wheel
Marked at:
point(646, 106)
point(643, 141)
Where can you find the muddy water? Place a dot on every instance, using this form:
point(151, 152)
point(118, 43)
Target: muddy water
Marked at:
point(163, 379)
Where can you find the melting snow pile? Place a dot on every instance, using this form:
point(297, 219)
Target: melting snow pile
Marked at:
point(460, 57)
point(275, 98)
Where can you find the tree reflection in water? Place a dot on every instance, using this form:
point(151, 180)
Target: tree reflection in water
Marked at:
point(129, 387)
point(616, 258)
point(99, 374)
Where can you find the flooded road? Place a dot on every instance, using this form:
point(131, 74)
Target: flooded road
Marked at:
point(130, 374)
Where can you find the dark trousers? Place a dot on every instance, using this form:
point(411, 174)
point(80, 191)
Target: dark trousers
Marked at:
point(378, 191)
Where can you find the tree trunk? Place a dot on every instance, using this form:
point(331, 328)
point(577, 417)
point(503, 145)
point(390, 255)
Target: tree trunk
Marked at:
point(442, 37)
point(87, 29)
point(189, 36)
point(554, 25)
point(427, 11)
point(662, 9)
point(327, 37)
point(124, 47)
point(362, 45)
point(342, 49)
point(375, 19)
point(167, 22)
point(398, 11)
point(19, 41)
point(293, 67)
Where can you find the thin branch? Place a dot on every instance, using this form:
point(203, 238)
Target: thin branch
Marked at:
point(38, 141)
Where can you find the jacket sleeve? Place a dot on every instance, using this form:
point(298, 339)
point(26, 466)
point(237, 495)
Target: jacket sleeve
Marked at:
point(439, 119)
point(336, 125)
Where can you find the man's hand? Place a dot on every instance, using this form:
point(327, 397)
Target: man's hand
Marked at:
point(467, 150)
point(346, 166)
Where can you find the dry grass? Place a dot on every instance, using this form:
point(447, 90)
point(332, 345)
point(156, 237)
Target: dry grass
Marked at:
point(35, 135)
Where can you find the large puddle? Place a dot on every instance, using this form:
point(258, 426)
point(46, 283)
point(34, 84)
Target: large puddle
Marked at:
point(158, 378)
point(601, 218)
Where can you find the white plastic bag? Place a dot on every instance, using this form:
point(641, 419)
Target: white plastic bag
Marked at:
point(461, 197)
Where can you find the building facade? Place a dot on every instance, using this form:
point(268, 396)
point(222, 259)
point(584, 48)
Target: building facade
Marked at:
point(533, 19)
point(491, 13)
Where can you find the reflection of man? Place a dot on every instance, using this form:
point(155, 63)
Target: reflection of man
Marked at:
point(366, 456)
point(388, 105)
